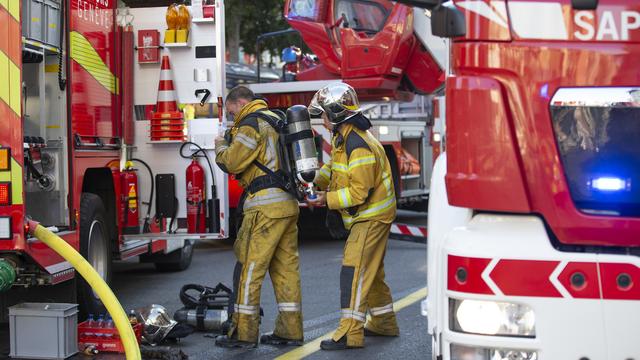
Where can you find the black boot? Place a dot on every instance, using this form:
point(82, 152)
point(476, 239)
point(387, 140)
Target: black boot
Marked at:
point(232, 343)
point(272, 339)
point(336, 345)
point(368, 332)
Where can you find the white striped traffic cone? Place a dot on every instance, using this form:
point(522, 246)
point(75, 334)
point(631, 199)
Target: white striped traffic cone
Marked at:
point(167, 122)
point(167, 106)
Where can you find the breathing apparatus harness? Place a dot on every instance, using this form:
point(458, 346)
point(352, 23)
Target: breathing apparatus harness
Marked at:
point(282, 178)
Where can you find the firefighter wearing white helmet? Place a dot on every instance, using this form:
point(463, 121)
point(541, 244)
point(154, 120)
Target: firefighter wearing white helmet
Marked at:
point(360, 195)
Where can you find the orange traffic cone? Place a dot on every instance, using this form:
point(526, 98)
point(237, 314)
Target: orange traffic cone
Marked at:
point(167, 121)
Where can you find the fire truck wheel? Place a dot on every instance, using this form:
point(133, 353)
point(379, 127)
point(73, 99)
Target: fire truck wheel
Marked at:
point(96, 248)
point(178, 260)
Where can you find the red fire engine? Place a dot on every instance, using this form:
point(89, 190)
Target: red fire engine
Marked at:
point(68, 141)
point(534, 228)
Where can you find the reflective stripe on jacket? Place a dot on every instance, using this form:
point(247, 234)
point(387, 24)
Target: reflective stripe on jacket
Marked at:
point(358, 178)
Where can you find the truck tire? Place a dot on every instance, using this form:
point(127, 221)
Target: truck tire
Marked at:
point(178, 260)
point(95, 246)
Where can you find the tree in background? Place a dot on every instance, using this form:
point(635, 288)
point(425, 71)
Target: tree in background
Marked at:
point(246, 20)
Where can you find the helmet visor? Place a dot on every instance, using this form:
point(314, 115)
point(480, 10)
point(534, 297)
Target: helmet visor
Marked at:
point(315, 109)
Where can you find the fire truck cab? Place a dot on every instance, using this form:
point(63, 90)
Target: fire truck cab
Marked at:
point(73, 155)
point(534, 213)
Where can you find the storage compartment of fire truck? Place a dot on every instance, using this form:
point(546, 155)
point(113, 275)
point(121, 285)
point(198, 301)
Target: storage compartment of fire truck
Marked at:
point(411, 156)
point(45, 131)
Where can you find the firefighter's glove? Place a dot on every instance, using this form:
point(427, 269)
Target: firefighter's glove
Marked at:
point(221, 142)
point(320, 199)
point(335, 225)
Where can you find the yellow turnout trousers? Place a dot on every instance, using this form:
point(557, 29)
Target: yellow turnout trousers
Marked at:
point(362, 286)
point(267, 244)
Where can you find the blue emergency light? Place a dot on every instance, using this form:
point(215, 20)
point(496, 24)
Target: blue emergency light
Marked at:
point(610, 184)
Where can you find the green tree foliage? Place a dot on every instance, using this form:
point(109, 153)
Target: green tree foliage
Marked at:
point(247, 19)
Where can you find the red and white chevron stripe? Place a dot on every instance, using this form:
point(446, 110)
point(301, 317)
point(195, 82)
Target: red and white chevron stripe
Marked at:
point(408, 230)
point(544, 278)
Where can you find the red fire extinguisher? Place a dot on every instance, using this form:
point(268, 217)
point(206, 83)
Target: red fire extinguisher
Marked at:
point(196, 207)
point(129, 187)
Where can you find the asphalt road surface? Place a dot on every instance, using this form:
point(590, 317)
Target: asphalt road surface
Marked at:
point(137, 285)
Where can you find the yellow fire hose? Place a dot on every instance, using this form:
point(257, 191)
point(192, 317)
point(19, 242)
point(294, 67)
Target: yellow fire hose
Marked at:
point(120, 319)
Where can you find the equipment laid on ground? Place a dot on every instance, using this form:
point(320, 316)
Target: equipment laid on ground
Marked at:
point(203, 319)
point(156, 323)
point(102, 336)
point(97, 286)
point(162, 353)
point(43, 330)
point(206, 311)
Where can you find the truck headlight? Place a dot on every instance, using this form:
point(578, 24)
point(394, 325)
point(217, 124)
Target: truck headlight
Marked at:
point(460, 352)
point(492, 318)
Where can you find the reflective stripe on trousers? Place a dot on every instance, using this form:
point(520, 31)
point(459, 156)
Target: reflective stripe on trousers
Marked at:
point(245, 309)
point(381, 310)
point(288, 307)
point(351, 314)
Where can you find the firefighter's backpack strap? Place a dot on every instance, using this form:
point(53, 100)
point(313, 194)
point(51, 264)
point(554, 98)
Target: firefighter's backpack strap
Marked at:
point(278, 179)
point(355, 141)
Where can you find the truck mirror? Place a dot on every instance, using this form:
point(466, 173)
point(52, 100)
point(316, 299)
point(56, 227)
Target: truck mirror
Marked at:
point(447, 21)
point(425, 4)
point(584, 4)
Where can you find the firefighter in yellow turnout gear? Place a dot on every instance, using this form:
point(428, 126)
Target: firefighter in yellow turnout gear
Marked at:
point(360, 188)
point(268, 237)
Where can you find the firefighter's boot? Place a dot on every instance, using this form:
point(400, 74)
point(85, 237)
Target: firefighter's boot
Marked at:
point(267, 244)
point(362, 285)
point(331, 344)
point(272, 339)
point(232, 343)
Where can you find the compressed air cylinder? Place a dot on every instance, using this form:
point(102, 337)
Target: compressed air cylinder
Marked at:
point(211, 320)
point(302, 145)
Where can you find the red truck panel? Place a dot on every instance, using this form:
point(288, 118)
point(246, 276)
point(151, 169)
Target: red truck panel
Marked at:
point(10, 115)
point(482, 164)
point(529, 70)
point(93, 77)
